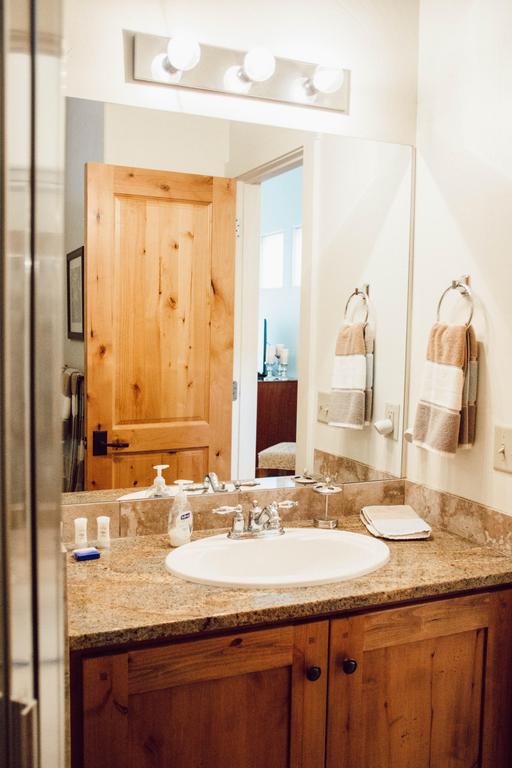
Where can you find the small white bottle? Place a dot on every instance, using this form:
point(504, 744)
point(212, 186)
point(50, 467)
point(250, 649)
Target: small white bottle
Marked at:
point(180, 517)
point(81, 531)
point(103, 538)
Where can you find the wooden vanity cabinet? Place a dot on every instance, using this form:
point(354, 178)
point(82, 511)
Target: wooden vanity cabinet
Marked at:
point(249, 700)
point(421, 686)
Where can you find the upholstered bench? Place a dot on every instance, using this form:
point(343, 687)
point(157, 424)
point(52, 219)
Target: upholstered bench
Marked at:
point(277, 459)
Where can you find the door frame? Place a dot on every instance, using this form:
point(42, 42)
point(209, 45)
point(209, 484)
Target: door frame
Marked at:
point(246, 313)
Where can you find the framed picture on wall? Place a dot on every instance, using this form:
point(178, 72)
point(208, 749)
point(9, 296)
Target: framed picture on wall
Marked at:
point(75, 293)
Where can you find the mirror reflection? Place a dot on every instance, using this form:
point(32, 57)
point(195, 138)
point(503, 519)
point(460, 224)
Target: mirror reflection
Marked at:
point(237, 301)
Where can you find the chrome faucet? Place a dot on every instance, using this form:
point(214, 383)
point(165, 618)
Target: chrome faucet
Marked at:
point(211, 480)
point(264, 522)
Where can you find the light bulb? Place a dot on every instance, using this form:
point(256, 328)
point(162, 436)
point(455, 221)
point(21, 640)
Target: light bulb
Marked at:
point(327, 79)
point(234, 82)
point(183, 53)
point(259, 65)
point(161, 70)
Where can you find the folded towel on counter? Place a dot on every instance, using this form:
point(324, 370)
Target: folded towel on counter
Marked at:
point(398, 522)
point(446, 412)
point(351, 397)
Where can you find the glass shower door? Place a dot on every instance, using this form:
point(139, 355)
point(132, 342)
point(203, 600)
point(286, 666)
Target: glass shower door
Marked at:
point(31, 564)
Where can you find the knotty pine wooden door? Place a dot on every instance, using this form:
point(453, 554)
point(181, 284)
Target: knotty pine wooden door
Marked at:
point(240, 701)
point(159, 285)
point(432, 687)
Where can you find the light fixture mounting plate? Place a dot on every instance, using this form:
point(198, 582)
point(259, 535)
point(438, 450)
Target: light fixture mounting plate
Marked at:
point(284, 86)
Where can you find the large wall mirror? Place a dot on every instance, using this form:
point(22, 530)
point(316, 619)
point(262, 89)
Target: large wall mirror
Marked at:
point(244, 291)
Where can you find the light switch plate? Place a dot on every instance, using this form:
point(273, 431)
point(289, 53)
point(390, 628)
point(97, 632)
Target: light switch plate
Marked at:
point(393, 412)
point(503, 448)
point(322, 408)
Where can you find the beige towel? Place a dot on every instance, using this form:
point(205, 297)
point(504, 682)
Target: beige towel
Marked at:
point(446, 413)
point(351, 397)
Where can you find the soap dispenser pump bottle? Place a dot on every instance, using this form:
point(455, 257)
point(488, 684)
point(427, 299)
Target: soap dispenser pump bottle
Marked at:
point(180, 517)
point(159, 489)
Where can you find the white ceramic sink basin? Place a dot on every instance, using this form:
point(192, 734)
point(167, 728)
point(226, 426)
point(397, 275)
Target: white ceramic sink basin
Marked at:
point(301, 557)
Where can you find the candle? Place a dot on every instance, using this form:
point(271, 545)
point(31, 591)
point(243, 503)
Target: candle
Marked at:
point(284, 356)
point(279, 349)
point(271, 353)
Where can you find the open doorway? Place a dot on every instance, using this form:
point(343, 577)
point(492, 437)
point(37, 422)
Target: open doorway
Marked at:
point(270, 329)
point(279, 322)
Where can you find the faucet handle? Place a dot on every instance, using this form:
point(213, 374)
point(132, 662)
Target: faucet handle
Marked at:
point(226, 510)
point(238, 520)
point(287, 504)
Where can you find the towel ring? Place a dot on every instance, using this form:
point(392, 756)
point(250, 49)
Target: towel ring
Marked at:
point(364, 296)
point(464, 289)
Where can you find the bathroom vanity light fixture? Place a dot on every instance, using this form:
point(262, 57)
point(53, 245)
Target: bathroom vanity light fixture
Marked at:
point(181, 62)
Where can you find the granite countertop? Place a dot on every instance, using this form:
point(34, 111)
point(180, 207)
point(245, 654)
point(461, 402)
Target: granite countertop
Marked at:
point(127, 596)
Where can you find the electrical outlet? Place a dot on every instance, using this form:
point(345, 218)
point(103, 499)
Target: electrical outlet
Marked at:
point(503, 448)
point(322, 409)
point(393, 412)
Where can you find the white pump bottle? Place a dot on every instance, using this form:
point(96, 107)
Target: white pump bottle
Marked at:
point(159, 489)
point(180, 517)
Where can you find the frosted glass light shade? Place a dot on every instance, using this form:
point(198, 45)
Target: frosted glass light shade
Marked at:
point(327, 79)
point(234, 82)
point(183, 52)
point(259, 64)
point(161, 71)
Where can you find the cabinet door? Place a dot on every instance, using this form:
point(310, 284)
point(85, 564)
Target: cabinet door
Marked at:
point(425, 686)
point(242, 700)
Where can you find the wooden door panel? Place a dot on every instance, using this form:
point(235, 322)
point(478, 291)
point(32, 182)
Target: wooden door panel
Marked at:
point(192, 465)
point(239, 700)
point(159, 315)
point(207, 724)
point(423, 703)
point(210, 659)
point(162, 300)
point(137, 470)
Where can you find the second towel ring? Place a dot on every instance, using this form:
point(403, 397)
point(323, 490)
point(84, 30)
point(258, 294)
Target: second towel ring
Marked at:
point(463, 288)
point(364, 296)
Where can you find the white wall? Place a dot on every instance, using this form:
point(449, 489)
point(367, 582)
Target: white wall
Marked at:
point(464, 218)
point(150, 138)
point(84, 144)
point(376, 39)
point(363, 208)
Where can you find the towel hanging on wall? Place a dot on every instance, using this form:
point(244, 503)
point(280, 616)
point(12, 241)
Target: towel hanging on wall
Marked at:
point(446, 412)
point(351, 399)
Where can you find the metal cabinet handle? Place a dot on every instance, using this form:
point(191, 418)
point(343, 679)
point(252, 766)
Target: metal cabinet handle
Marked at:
point(349, 666)
point(313, 673)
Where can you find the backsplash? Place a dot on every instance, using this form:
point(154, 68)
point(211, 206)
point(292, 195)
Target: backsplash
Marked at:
point(342, 469)
point(149, 516)
point(469, 519)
